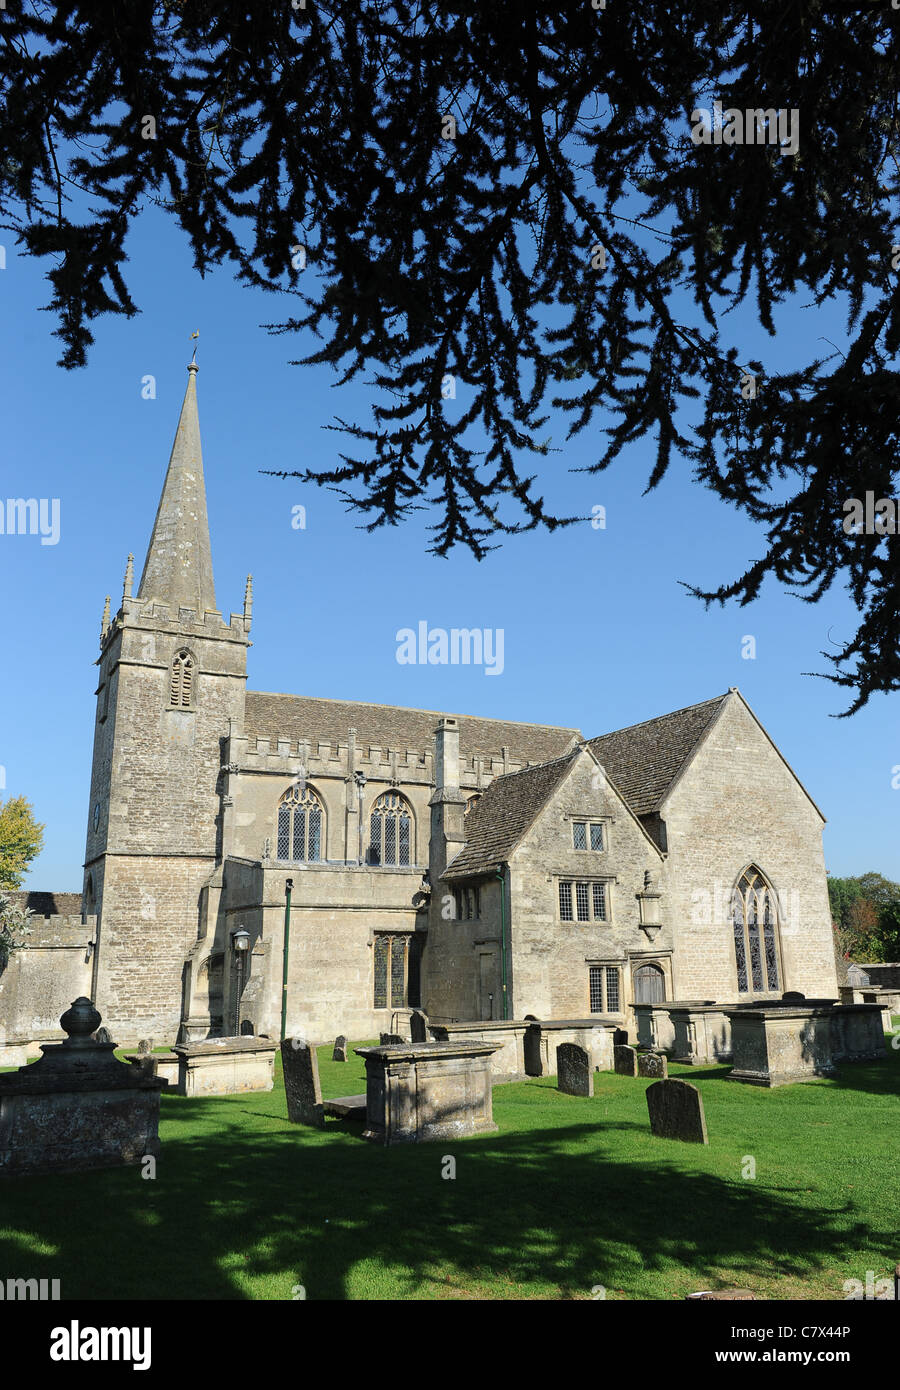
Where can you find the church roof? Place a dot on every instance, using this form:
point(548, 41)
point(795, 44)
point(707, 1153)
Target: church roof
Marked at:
point(645, 759)
point(496, 824)
point(45, 904)
point(178, 568)
point(305, 717)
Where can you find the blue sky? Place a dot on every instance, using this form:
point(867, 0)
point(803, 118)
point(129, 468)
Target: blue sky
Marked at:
point(598, 631)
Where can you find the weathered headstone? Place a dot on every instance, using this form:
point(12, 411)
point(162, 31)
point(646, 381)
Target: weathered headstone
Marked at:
point(102, 1035)
point(391, 1040)
point(676, 1112)
point(653, 1064)
point(574, 1073)
point(418, 1026)
point(625, 1060)
point(339, 1052)
point(620, 1037)
point(301, 1083)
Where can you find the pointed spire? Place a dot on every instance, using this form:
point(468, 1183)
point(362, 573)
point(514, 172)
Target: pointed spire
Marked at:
point(129, 578)
point(178, 570)
point(248, 599)
point(104, 621)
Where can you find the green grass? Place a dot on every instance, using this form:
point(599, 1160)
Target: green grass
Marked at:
point(569, 1194)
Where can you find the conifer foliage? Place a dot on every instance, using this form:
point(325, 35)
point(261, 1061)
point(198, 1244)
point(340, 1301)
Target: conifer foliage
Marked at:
point(504, 200)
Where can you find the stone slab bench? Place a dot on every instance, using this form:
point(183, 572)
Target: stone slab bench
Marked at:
point(346, 1107)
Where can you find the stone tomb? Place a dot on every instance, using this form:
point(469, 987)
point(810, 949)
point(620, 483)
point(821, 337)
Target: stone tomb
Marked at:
point(780, 1043)
point(655, 1029)
point(676, 1112)
point(702, 1034)
point(625, 1058)
point(653, 1064)
point(225, 1066)
point(543, 1036)
point(339, 1051)
point(424, 1091)
point(78, 1107)
point(574, 1072)
point(506, 1036)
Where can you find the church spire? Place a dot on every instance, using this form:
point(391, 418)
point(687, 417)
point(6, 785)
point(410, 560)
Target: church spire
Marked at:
point(178, 570)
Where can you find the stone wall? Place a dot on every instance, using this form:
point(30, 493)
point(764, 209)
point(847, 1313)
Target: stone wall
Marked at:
point(550, 957)
point(336, 912)
point(39, 982)
point(739, 804)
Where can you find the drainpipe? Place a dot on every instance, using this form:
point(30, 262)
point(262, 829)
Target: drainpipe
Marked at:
point(287, 946)
point(504, 993)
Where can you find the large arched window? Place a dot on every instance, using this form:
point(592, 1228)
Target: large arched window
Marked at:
point(301, 822)
point(390, 830)
point(181, 681)
point(754, 916)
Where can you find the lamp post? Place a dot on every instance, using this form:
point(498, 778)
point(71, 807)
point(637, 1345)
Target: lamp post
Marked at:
point(240, 944)
point(288, 888)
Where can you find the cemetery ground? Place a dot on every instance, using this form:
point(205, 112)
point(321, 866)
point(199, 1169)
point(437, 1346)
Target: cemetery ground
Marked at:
point(572, 1198)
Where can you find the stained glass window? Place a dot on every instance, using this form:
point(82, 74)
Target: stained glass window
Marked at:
point(300, 820)
point(382, 947)
point(755, 922)
point(390, 830)
point(392, 953)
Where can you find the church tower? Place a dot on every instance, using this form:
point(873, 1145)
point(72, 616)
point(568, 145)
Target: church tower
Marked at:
point(171, 689)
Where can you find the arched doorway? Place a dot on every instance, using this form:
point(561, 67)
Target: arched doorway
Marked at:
point(649, 984)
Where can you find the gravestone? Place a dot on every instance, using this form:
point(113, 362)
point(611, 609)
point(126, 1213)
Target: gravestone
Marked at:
point(653, 1064)
point(625, 1060)
point(102, 1035)
point(391, 1040)
point(676, 1112)
point(301, 1083)
point(339, 1052)
point(620, 1037)
point(574, 1073)
point(418, 1026)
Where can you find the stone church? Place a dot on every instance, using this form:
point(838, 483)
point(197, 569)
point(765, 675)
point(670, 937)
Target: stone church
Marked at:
point(249, 852)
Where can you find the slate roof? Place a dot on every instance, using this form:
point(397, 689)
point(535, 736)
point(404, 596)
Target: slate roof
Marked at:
point(46, 904)
point(393, 727)
point(508, 807)
point(644, 759)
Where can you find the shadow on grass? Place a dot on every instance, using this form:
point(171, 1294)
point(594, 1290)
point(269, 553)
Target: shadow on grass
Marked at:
point(548, 1208)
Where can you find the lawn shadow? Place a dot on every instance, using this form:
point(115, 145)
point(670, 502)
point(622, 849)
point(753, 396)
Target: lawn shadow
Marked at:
point(523, 1210)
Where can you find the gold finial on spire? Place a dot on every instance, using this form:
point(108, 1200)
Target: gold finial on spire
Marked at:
point(248, 599)
point(193, 361)
point(129, 578)
point(104, 621)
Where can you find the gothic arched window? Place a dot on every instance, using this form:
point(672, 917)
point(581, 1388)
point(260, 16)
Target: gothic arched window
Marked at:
point(181, 681)
point(754, 916)
point(301, 820)
point(390, 830)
